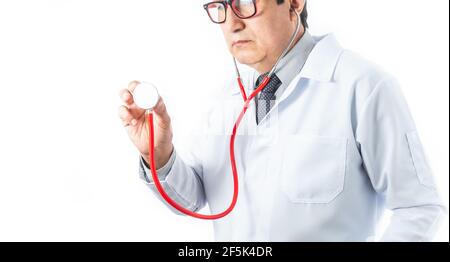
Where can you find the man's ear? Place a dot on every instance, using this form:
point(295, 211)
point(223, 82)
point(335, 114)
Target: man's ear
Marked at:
point(297, 5)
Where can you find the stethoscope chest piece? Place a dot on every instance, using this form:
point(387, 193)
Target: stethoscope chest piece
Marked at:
point(146, 95)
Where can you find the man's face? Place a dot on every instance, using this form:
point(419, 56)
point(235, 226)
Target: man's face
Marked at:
point(259, 40)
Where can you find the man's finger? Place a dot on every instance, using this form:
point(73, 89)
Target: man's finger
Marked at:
point(132, 85)
point(126, 97)
point(126, 116)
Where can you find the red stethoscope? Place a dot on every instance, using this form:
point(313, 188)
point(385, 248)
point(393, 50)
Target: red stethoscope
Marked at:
point(146, 96)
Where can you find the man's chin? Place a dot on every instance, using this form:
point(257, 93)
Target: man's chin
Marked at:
point(246, 58)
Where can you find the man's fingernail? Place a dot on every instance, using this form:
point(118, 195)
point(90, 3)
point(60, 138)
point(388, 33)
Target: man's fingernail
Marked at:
point(133, 122)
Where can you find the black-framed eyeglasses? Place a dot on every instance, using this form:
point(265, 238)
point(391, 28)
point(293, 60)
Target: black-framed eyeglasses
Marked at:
point(217, 10)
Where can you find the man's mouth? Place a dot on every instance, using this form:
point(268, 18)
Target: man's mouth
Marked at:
point(240, 42)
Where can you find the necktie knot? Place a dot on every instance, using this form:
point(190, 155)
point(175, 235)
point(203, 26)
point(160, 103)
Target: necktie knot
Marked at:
point(272, 86)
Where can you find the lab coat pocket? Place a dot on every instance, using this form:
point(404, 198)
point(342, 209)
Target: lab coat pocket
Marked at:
point(313, 168)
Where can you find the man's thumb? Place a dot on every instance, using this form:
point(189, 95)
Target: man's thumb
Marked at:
point(161, 113)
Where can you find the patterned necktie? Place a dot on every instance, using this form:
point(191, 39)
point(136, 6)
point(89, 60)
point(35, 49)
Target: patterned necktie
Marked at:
point(266, 98)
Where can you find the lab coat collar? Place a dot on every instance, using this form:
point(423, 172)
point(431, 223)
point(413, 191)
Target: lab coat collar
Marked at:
point(320, 65)
point(323, 59)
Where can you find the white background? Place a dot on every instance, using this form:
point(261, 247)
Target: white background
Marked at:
point(67, 168)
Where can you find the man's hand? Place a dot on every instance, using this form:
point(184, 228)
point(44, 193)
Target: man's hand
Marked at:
point(135, 121)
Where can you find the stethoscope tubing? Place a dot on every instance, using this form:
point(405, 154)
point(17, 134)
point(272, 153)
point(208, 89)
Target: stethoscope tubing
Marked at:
point(247, 101)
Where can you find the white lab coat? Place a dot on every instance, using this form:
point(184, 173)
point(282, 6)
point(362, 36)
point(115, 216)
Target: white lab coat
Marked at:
point(337, 148)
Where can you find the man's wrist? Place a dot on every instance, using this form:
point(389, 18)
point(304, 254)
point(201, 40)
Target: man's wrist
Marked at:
point(159, 162)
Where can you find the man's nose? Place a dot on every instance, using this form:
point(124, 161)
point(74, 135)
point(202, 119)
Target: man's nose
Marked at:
point(234, 23)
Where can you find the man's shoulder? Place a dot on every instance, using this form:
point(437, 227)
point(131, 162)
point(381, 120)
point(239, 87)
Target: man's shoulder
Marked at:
point(361, 77)
point(353, 67)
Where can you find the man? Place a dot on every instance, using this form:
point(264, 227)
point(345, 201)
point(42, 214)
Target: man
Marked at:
point(341, 145)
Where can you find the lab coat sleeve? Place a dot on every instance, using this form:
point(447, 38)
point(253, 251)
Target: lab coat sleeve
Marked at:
point(179, 180)
point(396, 164)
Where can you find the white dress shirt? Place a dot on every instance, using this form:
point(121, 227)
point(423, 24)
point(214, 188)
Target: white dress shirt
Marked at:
point(337, 149)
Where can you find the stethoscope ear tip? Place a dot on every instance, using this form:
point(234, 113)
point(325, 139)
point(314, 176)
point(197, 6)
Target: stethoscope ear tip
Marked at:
point(146, 96)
